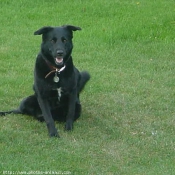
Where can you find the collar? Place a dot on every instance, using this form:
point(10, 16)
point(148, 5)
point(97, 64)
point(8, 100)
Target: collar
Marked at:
point(54, 69)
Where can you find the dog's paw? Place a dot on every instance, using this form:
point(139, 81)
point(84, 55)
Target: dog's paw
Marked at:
point(52, 130)
point(54, 134)
point(69, 126)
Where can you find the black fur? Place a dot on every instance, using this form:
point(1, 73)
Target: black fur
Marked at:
point(55, 100)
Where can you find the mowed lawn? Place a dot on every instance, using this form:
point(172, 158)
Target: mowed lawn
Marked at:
point(127, 126)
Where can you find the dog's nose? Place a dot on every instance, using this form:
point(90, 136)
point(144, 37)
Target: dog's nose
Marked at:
point(59, 52)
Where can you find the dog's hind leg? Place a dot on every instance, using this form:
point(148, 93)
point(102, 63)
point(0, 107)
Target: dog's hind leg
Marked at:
point(28, 106)
point(77, 111)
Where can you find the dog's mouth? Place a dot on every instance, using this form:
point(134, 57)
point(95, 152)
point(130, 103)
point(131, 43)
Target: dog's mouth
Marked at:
point(59, 61)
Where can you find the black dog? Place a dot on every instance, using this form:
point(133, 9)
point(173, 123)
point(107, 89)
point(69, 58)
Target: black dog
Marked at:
point(57, 83)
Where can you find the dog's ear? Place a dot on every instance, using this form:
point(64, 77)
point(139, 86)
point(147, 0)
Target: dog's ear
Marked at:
point(72, 28)
point(43, 30)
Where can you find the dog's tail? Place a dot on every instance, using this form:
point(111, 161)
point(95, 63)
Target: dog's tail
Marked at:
point(85, 77)
point(15, 111)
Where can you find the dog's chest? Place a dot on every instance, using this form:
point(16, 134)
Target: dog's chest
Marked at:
point(59, 92)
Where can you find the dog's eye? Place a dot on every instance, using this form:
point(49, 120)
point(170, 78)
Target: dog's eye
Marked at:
point(64, 40)
point(54, 40)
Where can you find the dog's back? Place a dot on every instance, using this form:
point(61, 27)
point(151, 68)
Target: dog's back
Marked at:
point(85, 77)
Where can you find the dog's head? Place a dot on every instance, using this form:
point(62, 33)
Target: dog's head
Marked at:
point(57, 43)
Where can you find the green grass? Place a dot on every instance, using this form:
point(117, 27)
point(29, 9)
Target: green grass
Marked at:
point(128, 120)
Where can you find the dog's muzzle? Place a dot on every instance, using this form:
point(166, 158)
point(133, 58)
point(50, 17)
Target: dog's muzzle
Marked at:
point(59, 58)
point(59, 61)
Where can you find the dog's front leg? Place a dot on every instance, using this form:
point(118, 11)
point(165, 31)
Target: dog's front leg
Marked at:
point(71, 110)
point(44, 105)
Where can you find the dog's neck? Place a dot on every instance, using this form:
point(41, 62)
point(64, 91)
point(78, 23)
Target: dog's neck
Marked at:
point(54, 69)
point(68, 65)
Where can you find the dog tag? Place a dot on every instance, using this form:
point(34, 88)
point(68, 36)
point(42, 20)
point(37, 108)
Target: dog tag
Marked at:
point(56, 79)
